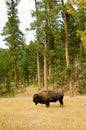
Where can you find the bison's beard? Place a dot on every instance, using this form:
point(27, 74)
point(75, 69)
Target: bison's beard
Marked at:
point(36, 102)
point(35, 99)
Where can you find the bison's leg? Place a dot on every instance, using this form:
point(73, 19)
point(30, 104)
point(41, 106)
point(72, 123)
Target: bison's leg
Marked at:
point(47, 104)
point(61, 100)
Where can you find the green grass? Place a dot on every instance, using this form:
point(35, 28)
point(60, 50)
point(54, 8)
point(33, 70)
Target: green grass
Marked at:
point(20, 113)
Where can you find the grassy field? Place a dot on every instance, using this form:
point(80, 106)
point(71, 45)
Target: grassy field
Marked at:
point(20, 113)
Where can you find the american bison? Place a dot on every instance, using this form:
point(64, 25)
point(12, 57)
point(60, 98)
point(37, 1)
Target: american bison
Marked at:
point(47, 96)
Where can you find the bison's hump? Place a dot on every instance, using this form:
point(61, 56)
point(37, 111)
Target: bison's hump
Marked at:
point(45, 94)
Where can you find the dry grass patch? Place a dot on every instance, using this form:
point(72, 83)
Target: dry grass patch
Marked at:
point(21, 114)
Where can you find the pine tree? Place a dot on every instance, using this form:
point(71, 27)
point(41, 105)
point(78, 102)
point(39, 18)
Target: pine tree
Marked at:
point(13, 36)
point(47, 31)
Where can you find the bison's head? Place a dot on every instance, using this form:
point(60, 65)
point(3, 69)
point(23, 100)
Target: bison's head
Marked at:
point(36, 98)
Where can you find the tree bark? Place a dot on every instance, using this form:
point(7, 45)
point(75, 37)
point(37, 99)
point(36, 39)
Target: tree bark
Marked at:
point(38, 66)
point(45, 68)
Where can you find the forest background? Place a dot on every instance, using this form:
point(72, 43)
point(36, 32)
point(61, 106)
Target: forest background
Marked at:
point(56, 58)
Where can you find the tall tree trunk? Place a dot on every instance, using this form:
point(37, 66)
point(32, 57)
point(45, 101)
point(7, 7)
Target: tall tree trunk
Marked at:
point(15, 67)
point(66, 52)
point(45, 53)
point(38, 61)
point(45, 68)
point(38, 66)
